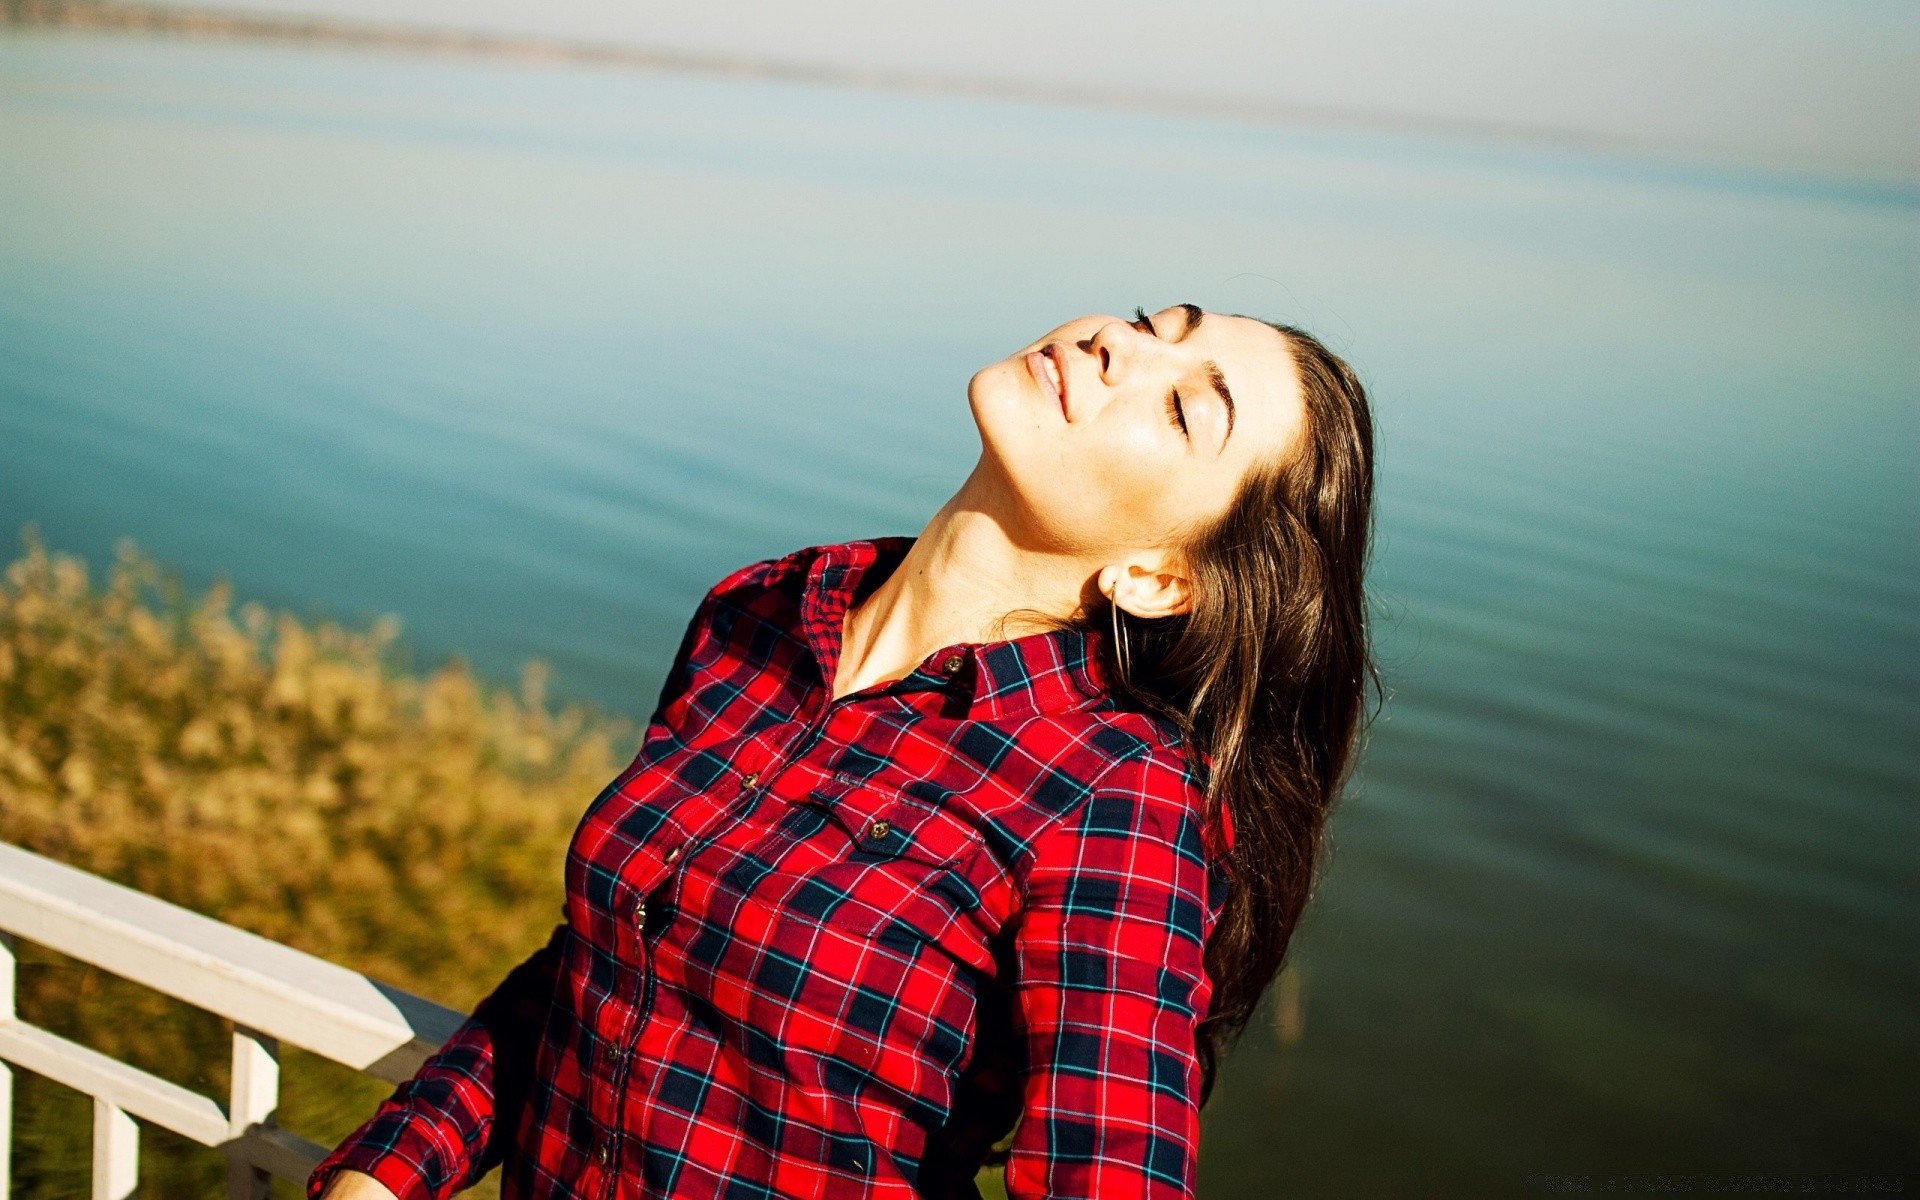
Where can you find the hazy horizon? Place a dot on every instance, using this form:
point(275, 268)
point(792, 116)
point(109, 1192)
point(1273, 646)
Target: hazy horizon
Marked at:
point(1783, 83)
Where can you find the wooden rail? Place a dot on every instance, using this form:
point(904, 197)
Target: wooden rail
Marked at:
point(272, 993)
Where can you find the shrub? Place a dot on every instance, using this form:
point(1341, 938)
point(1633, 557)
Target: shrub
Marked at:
point(286, 777)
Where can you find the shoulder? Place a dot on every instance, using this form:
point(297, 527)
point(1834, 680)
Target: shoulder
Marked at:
point(1148, 786)
point(1153, 763)
point(767, 589)
point(1132, 858)
point(744, 584)
point(1147, 809)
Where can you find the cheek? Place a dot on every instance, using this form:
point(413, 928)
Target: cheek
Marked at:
point(1126, 485)
point(1105, 484)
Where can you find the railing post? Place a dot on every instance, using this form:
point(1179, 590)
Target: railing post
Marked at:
point(6, 1130)
point(116, 1152)
point(8, 975)
point(270, 992)
point(256, 1094)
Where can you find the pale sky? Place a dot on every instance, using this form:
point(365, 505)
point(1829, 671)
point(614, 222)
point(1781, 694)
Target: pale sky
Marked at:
point(1826, 84)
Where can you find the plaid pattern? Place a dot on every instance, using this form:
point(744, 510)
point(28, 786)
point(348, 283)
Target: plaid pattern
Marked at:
point(840, 949)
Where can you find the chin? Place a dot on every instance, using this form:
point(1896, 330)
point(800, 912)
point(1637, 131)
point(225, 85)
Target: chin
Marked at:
point(994, 378)
point(998, 401)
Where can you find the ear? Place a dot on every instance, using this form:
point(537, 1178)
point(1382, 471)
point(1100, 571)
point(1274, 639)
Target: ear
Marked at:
point(1147, 588)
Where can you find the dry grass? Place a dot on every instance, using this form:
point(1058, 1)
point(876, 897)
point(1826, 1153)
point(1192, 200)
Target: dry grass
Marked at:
point(282, 776)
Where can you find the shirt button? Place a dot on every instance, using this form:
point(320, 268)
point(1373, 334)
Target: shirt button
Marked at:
point(752, 778)
point(602, 1155)
point(879, 830)
point(954, 663)
point(640, 911)
point(673, 855)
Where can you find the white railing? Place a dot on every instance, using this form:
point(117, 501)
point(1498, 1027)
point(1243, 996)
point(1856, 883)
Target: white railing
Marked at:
point(272, 993)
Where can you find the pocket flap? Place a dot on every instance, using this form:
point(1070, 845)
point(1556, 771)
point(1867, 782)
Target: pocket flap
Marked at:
point(883, 823)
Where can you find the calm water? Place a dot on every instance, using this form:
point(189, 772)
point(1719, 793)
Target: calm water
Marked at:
point(531, 356)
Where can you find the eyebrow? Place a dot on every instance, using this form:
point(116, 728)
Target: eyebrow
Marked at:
point(1215, 376)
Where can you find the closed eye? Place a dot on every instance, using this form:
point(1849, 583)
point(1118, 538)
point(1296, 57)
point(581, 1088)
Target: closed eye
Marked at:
point(1176, 411)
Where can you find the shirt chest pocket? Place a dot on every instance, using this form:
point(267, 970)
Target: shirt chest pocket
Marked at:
point(862, 859)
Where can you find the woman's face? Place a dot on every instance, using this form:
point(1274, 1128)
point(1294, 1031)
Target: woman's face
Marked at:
point(1114, 434)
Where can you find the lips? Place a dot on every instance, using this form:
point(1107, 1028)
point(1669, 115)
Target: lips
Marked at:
point(1044, 366)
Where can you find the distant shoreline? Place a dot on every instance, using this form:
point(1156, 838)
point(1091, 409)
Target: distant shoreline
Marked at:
point(215, 24)
point(210, 24)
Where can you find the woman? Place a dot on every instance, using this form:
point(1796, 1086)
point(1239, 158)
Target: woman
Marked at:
point(1003, 828)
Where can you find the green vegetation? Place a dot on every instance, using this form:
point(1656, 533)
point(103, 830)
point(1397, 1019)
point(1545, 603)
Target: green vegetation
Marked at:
point(286, 777)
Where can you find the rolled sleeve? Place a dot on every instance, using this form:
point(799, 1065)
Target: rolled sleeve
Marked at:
point(448, 1125)
point(1110, 990)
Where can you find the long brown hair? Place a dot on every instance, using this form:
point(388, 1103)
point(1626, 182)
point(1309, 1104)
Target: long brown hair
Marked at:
point(1268, 672)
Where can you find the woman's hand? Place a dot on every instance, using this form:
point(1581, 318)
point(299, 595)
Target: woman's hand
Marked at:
point(356, 1185)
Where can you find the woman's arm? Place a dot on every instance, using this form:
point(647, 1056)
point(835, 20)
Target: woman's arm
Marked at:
point(443, 1129)
point(356, 1185)
point(450, 1124)
point(1110, 988)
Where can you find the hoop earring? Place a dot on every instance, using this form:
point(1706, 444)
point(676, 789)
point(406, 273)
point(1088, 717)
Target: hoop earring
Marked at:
point(1124, 652)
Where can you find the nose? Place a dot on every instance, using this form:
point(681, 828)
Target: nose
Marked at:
point(1114, 345)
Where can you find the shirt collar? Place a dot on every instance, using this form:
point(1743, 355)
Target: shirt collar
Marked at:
point(1023, 676)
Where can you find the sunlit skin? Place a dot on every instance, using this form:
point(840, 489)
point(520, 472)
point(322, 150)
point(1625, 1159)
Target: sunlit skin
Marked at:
point(1066, 506)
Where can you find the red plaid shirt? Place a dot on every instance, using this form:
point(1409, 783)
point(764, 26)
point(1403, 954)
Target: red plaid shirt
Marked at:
point(840, 948)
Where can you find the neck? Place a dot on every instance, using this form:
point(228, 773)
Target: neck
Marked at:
point(966, 578)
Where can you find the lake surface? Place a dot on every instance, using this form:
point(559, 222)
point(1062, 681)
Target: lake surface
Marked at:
point(1626, 896)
